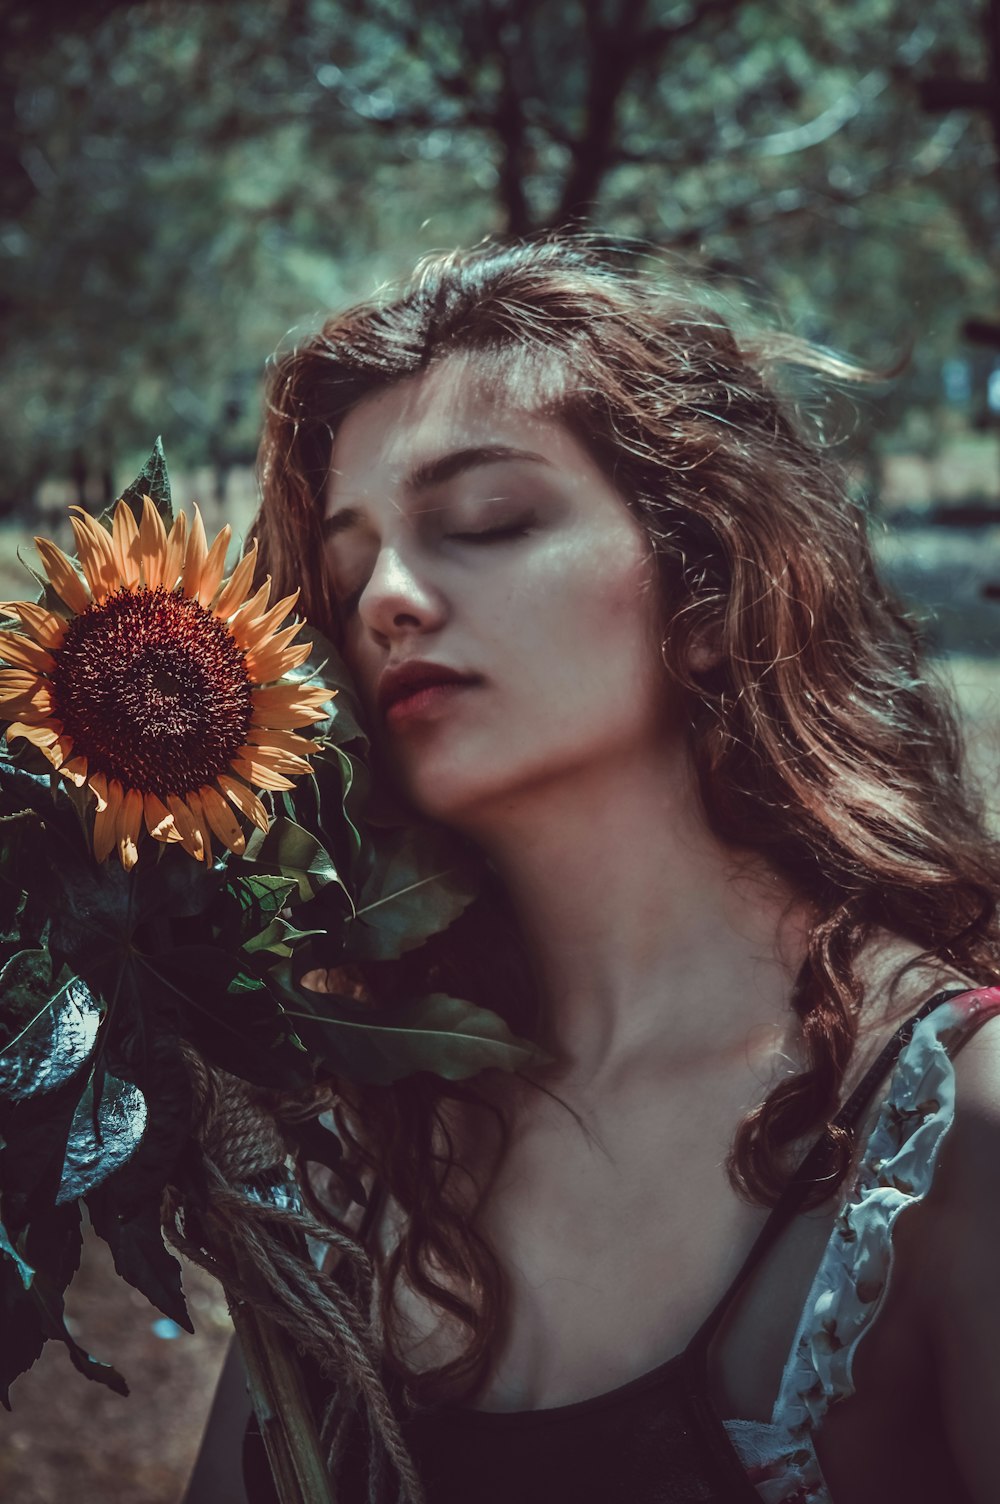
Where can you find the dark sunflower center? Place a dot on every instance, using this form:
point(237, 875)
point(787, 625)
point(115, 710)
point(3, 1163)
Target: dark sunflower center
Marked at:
point(153, 691)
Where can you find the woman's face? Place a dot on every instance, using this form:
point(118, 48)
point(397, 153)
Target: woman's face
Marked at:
point(468, 536)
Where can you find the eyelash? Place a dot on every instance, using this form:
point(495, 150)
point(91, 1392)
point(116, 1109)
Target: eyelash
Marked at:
point(507, 533)
point(493, 534)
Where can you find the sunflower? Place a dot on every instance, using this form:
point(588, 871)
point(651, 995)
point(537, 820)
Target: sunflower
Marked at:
point(159, 686)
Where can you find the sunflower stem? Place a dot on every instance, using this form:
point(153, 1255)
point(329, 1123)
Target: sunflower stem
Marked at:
point(281, 1403)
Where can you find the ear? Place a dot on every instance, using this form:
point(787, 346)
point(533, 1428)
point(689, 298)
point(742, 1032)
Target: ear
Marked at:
point(704, 651)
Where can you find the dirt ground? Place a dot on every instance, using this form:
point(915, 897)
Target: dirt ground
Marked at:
point(70, 1441)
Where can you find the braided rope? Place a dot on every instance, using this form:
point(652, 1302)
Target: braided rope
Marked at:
point(241, 1141)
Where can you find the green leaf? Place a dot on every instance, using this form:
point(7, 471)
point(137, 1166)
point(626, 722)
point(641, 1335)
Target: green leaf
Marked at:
point(52, 1244)
point(36, 1130)
point(139, 1252)
point(419, 881)
point(49, 1300)
point(152, 481)
point(325, 666)
point(446, 1035)
point(103, 1136)
point(288, 850)
point(21, 1324)
point(248, 905)
point(280, 938)
point(237, 1021)
point(20, 834)
point(47, 1032)
point(23, 1268)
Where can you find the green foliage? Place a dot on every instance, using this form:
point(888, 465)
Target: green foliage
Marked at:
point(185, 182)
point(154, 482)
point(445, 1035)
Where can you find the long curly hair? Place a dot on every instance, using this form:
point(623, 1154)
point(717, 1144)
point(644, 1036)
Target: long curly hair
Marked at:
point(817, 738)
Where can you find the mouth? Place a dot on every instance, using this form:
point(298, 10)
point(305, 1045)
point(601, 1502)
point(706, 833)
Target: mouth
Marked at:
point(424, 701)
point(415, 689)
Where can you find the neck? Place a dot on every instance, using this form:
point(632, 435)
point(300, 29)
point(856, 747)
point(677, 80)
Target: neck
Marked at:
point(647, 936)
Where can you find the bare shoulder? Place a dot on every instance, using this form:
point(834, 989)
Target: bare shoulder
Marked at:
point(898, 978)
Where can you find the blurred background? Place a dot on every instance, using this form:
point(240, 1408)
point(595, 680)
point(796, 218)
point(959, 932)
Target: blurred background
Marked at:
point(184, 187)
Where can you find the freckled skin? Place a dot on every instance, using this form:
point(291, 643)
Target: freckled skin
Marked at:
point(562, 623)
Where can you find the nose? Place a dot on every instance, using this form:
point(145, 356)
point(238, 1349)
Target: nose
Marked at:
point(399, 597)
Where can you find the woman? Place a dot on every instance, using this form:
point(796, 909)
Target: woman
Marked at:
point(616, 622)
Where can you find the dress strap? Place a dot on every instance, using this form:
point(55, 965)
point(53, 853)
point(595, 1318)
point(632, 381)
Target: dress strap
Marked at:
point(811, 1170)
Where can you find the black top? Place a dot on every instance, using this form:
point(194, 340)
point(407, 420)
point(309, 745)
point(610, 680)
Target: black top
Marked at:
point(654, 1440)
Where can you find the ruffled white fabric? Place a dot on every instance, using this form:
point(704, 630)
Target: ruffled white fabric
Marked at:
point(895, 1171)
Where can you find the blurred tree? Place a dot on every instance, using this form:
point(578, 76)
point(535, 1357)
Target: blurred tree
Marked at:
point(184, 181)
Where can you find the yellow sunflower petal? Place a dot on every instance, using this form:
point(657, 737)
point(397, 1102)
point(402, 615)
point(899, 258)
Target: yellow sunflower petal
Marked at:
point(152, 544)
point(17, 681)
point(32, 707)
point(75, 770)
point(193, 801)
point(252, 608)
point(188, 827)
point(260, 772)
point(93, 549)
point(194, 555)
point(46, 627)
point(245, 799)
point(222, 820)
point(159, 821)
point(285, 706)
point(281, 741)
point(176, 547)
point(106, 818)
point(125, 545)
point(268, 664)
point(40, 736)
point(64, 579)
point(57, 751)
point(214, 567)
point(127, 829)
point(251, 634)
point(237, 587)
point(24, 653)
point(99, 788)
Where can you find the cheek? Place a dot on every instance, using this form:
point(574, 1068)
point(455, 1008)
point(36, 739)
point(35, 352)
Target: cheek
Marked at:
point(594, 605)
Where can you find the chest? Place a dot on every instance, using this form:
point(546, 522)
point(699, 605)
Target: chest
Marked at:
point(613, 1258)
point(616, 1240)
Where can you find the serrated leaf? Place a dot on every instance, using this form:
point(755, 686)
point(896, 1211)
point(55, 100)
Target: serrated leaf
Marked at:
point(446, 1035)
point(95, 1150)
point(152, 481)
point(52, 1244)
point(139, 1252)
point(279, 939)
point(46, 1034)
point(50, 1305)
point(21, 1324)
point(288, 850)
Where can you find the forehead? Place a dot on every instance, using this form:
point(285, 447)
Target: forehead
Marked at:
point(390, 437)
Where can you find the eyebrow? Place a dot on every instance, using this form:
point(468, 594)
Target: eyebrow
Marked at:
point(437, 472)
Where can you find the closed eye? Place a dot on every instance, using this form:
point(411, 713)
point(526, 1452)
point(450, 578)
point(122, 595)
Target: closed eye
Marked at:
point(493, 534)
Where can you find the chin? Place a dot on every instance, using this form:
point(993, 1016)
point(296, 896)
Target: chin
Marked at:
point(449, 794)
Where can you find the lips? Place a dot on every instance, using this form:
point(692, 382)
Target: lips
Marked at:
point(405, 679)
